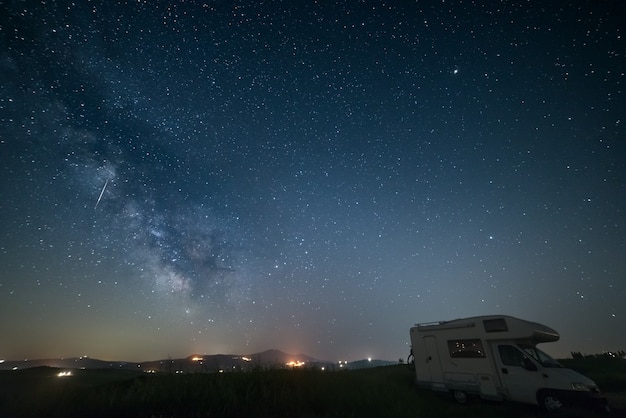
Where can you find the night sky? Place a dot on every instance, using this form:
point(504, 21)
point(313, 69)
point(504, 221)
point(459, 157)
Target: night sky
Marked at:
point(311, 176)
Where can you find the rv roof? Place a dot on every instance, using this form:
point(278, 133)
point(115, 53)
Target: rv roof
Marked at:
point(496, 325)
point(454, 323)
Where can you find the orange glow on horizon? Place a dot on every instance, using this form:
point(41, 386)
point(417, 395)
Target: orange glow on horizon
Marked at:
point(296, 363)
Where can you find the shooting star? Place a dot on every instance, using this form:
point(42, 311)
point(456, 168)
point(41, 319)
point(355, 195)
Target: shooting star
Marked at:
point(101, 193)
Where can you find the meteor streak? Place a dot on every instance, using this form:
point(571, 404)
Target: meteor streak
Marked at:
point(101, 193)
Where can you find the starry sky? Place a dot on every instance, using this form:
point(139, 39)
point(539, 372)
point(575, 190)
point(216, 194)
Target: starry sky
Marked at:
point(316, 177)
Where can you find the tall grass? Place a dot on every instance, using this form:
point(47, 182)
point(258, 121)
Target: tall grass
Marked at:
point(379, 392)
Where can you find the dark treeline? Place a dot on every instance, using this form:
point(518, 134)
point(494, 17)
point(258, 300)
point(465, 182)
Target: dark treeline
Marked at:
point(611, 354)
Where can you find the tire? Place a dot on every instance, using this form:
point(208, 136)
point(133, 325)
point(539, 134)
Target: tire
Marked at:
point(605, 409)
point(550, 402)
point(460, 396)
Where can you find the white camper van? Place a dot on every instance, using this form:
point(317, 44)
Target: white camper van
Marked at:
point(495, 357)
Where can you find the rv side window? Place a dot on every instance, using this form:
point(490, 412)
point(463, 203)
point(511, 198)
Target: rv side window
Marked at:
point(495, 325)
point(511, 356)
point(466, 348)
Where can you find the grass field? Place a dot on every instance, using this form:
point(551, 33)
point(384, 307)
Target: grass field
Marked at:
point(378, 392)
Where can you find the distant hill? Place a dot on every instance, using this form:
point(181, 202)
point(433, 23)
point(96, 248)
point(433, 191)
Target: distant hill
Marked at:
point(198, 363)
point(190, 364)
point(69, 363)
point(367, 363)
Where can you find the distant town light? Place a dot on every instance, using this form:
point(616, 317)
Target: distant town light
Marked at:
point(64, 374)
point(246, 358)
point(197, 358)
point(296, 363)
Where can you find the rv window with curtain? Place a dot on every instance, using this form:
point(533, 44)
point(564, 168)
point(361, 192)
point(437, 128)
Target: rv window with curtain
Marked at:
point(495, 325)
point(466, 348)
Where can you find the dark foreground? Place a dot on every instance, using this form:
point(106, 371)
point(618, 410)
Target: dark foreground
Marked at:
point(379, 392)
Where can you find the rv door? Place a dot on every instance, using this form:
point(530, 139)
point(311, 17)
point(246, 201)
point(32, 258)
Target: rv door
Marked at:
point(520, 375)
point(433, 364)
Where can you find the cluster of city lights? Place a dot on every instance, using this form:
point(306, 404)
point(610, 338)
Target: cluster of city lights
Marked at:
point(296, 363)
point(64, 374)
point(244, 358)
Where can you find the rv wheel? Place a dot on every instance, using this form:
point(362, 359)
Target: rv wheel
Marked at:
point(460, 396)
point(605, 408)
point(550, 402)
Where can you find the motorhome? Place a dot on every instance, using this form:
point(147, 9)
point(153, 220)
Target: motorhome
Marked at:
point(496, 357)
